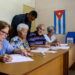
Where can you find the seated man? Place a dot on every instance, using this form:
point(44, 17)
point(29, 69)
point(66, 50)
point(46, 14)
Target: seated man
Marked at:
point(50, 38)
point(36, 39)
point(19, 42)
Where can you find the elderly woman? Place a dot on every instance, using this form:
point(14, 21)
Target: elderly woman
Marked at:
point(19, 42)
point(36, 39)
point(5, 47)
point(50, 37)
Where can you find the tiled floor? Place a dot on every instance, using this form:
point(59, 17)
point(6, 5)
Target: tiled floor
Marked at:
point(72, 70)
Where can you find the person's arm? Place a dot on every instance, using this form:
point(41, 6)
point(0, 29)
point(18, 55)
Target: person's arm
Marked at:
point(24, 52)
point(9, 48)
point(55, 43)
point(5, 58)
point(44, 46)
point(1, 58)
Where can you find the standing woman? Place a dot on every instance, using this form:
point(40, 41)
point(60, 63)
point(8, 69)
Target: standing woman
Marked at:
point(5, 47)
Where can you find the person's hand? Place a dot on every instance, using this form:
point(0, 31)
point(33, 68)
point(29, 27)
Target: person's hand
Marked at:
point(47, 45)
point(26, 52)
point(33, 48)
point(57, 43)
point(6, 58)
point(29, 52)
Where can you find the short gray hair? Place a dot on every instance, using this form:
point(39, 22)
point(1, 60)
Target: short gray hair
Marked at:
point(50, 28)
point(22, 26)
point(40, 25)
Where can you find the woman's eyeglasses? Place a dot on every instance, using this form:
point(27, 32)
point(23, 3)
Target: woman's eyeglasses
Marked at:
point(3, 32)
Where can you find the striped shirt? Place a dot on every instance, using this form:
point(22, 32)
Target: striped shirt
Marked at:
point(35, 39)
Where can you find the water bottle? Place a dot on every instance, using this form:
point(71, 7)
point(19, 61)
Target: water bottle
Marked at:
point(70, 40)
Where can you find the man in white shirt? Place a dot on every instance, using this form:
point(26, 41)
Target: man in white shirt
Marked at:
point(50, 37)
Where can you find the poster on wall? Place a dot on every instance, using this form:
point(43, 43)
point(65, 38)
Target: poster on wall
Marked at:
point(27, 9)
point(59, 22)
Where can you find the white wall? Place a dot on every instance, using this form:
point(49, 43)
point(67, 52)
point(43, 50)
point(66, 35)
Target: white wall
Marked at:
point(29, 2)
point(46, 9)
point(8, 8)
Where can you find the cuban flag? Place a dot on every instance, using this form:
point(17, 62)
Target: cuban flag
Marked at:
point(59, 21)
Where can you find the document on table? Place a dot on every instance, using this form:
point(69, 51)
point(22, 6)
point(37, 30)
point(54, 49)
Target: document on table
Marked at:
point(19, 58)
point(52, 51)
point(40, 50)
point(43, 50)
point(61, 46)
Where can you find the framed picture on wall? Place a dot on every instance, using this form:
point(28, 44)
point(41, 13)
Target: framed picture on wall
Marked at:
point(27, 9)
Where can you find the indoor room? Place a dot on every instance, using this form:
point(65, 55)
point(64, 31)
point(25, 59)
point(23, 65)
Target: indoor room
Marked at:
point(37, 37)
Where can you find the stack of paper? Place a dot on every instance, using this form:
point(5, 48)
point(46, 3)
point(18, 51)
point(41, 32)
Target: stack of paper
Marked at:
point(61, 46)
point(41, 50)
point(19, 58)
point(52, 51)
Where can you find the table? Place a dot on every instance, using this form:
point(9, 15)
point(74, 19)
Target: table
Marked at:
point(49, 64)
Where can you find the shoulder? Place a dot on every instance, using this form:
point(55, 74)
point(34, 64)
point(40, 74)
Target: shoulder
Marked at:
point(5, 42)
point(32, 33)
point(19, 16)
point(15, 38)
point(45, 35)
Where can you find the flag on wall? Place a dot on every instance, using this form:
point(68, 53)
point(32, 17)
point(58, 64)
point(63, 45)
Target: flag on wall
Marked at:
point(59, 22)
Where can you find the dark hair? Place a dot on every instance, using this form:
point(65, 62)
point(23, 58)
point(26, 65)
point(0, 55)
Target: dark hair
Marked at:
point(33, 13)
point(3, 24)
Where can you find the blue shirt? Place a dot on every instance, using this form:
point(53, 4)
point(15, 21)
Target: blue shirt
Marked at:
point(18, 44)
point(6, 48)
point(35, 39)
